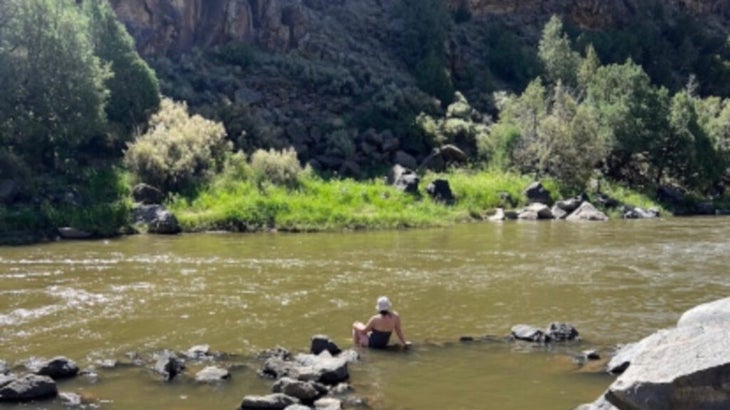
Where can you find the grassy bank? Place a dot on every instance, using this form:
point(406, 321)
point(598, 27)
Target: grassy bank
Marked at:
point(316, 204)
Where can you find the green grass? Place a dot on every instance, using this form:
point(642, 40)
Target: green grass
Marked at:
point(321, 205)
point(630, 197)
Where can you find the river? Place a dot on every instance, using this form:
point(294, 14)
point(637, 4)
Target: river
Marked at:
point(616, 282)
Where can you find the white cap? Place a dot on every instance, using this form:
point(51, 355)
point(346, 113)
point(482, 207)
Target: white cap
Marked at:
point(383, 304)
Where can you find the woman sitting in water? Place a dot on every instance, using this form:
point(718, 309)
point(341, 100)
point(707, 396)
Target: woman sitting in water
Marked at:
point(376, 333)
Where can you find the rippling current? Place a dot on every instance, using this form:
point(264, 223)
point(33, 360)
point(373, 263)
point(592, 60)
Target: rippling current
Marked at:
point(616, 282)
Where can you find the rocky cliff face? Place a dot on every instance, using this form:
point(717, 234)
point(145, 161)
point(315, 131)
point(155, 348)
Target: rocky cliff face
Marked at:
point(329, 71)
point(173, 26)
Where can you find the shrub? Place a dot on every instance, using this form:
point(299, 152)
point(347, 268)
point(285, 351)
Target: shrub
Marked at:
point(179, 150)
point(277, 167)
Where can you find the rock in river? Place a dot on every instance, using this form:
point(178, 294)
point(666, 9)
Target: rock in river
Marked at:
point(56, 368)
point(687, 367)
point(276, 401)
point(26, 388)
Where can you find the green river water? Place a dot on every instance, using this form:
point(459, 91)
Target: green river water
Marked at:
point(616, 282)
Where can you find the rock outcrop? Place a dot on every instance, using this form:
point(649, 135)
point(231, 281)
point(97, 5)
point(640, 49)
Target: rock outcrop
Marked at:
point(686, 367)
point(173, 26)
point(162, 27)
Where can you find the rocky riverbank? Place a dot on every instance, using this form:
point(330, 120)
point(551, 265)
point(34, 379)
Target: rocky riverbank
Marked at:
point(685, 367)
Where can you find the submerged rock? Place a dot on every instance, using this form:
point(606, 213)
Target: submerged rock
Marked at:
point(212, 374)
point(529, 334)
point(306, 391)
point(276, 401)
point(328, 403)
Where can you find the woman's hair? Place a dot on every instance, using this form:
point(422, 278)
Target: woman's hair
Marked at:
point(385, 312)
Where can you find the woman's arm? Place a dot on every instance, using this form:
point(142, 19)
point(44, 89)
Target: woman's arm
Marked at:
point(399, 332)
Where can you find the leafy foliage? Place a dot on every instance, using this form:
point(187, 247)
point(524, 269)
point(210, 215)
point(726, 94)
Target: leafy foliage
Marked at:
point(276, 167)
point(53, 95)
point(178, 151)
point(556, 54)
point(133, 87)
point(421, 42)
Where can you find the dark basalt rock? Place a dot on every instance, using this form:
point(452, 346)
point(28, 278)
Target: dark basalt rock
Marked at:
point(440, 190)
point(27, 388)
point(560, 332)
point(321, 343)
point(56, 368)
point(168, 365)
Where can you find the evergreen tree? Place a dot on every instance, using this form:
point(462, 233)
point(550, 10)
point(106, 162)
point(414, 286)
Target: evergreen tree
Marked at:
point(634, 119)
point(134, 89)
point(421, 42)
point(557, 55)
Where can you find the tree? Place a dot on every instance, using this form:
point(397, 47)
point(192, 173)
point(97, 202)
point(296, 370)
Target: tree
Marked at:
point(421, 42)
point(526, 112)
point(688, 156)
point(53, 95)
point(588, 67)
point(556, 54)
point(134, 89)
point(178, 150)
point(633, 117)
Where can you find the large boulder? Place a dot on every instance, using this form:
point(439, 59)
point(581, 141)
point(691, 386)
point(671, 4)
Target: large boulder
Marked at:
point(404, 179)
point(715, 313)
point(683, 368)
point(536, 192)
point(440, 191)
point(57, 368)
point(212, 374)
point(306, 391)
point(687, 367)
point(587, 212)
point(276, 401)
point(158, 219)
point(536, 211)
point(27, 388)
point(443, 157)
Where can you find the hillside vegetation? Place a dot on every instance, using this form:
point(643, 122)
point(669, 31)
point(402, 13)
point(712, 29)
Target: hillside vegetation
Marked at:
point(632, 107)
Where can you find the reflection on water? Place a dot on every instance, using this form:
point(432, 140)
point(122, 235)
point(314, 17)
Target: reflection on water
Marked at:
point(616, 282)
